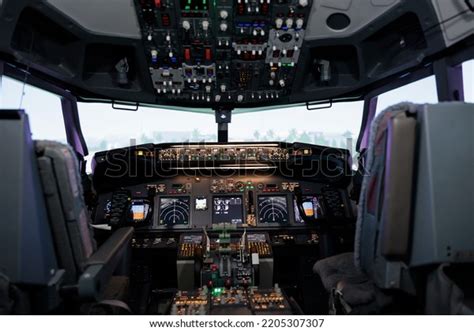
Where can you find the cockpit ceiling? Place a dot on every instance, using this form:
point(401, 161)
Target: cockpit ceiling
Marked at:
point(225, 53)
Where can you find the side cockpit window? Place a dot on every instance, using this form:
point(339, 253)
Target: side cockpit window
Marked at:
point(421, 91)
point(43, 108)
point(425, 90)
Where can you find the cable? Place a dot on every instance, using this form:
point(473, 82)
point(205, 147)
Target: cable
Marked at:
point(27, 70)
point(449, 19)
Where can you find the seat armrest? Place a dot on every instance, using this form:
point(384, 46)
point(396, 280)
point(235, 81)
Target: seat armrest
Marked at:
point(102, 264)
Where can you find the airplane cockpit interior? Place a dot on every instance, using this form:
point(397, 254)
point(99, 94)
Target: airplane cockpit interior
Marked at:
point(237, 157)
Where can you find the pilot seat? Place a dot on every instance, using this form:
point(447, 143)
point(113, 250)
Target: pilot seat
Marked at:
point(413, 249)
point(56, 264)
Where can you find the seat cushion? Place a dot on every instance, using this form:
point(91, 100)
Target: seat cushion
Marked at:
point(339, 272)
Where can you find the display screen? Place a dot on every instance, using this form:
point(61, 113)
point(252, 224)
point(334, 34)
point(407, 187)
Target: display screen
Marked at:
point(257, 237)
point(139, 210)
point(174, 211)
point(273, 209)
point(227, 209)
point(192, 239)
point(312, 208)
point(201, 203)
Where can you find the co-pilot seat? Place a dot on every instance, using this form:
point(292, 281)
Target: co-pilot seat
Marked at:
point(88, 270)
point(50, 254)
point(414, 228)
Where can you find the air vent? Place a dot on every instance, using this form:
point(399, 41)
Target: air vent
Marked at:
point(338, 21)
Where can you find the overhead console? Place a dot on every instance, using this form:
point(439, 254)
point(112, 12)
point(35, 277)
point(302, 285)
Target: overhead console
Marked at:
point(190, 187)
point(223, 52)
point(228, 54)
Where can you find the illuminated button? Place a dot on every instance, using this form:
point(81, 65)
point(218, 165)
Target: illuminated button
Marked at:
point(187, 54)
point(154, 56)
point(207, 54)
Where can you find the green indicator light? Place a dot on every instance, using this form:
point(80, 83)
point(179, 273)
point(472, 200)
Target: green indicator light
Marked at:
point(217, 291)
point(187, 8)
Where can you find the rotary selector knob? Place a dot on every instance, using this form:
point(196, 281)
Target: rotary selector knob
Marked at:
point(223, 88)
point(205, 25)
point(289, 22)
point(299, 23)
point(223, 26)
point(240, 98)
point(303, 3)
point(224, 14)
point(186, 25)
point(278, 23)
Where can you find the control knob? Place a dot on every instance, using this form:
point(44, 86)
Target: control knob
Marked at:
point(186, 25)
point(223, 26)
point(223, 14)
point(299, 23)
point(303, 3)
point(278, 23)
point(205, 25)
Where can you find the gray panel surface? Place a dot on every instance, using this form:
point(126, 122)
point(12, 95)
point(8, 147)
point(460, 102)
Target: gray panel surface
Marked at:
point(116, 18)
point(360, 12)
point(443, 226)
point(457, 28)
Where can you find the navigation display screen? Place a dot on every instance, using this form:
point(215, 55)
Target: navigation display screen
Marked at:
point(272, 209)
point(227, 209)
point(312, 208)
point(174, 211)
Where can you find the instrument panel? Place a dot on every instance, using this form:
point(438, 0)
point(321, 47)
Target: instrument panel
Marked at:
point(190, 202)
point(246, 185)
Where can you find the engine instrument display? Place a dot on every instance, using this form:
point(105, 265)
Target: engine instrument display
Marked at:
point(228, 209)
point(312, 208)
point(174, 211)
point(273, 209)
point(139, 210)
